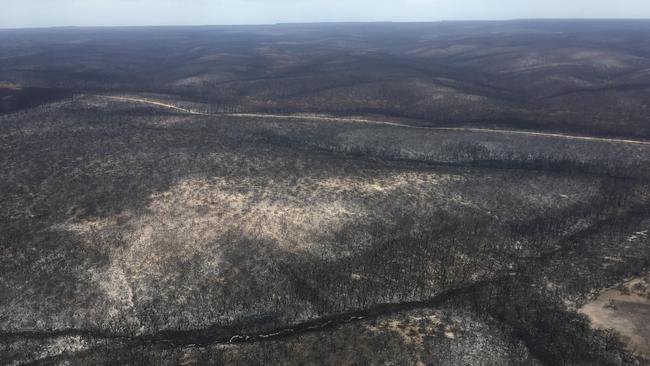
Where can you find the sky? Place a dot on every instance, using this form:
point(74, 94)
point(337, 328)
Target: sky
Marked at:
point(46, 13)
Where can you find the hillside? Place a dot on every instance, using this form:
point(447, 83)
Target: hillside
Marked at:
point(430, 194)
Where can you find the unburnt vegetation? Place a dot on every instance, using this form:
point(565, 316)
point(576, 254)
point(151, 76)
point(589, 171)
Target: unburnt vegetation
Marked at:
point(266, 218)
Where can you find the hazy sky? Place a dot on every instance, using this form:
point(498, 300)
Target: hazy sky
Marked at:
point(39, 13)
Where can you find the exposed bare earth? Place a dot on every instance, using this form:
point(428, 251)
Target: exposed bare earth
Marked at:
point(625, 309)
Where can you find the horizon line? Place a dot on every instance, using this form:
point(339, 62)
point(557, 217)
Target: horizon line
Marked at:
point(320, 23)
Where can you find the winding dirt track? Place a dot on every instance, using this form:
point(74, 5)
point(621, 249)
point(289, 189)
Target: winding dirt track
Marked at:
point(217, 335)
point(154, 103)
point(384, 123)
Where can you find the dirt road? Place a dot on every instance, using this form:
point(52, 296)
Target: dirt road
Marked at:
point(385, 123)
point(154, 103)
